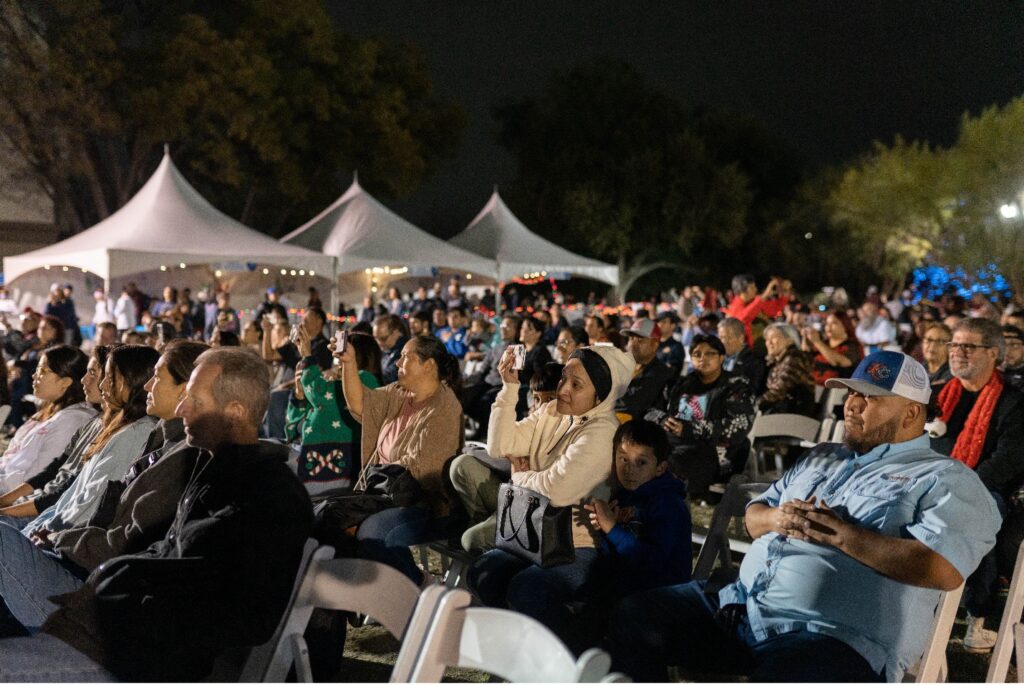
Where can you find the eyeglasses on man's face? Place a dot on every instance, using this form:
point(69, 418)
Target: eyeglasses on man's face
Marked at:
point(966, 348)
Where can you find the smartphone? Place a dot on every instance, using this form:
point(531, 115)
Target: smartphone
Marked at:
point(340, 342)
point(518, 357)
point(294, 334)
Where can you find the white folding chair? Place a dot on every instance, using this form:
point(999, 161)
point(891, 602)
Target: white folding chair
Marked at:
point(932, 666)
point(839, 432)
point(357, 585)
point(834, 397)
point(254, 662)
point(795, 426)
point(506, 644)
point(1011, 630)
point(5, 411)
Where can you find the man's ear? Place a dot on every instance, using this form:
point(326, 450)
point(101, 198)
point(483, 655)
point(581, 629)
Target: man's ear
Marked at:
point(236, 411)
point(661, 468)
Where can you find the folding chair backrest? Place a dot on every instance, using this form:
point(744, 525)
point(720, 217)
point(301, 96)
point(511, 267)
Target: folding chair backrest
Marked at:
point(507, 644)
point(828, 424)
point(5, 411)
point(833, 397)
point(784, 426)
point(716, 546)
point(839, 432)
point(358, 585)
point(999, 664)
point(932, 667)
point(261, 659)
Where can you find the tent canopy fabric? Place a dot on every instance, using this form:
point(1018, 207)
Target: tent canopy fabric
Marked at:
point(166, 222)
point(496, 233)
point(362, 233)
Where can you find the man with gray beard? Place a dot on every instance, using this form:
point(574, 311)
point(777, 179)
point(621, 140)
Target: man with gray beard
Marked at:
point(981, 423)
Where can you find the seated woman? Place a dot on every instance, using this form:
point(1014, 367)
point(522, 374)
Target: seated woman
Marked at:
point(49, 332)
point(476, 477)
point(838, 353)
point(319, 420)
point(136, 511)
point(563, 452)
point(415, 423)
point(537, 355)
point(22, 503)
point(710, 410)
point(790, 385)
point(129, 367)
point(57, 381)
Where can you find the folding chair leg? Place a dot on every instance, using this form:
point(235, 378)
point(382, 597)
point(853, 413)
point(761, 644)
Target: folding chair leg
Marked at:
point(455, 576)
point(1018, 642)
point(303, 671)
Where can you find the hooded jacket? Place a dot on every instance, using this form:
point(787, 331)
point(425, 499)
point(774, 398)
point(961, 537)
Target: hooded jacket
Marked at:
point(570, 456)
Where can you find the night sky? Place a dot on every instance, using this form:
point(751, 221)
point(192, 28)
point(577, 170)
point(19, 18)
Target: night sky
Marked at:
point(827, 77)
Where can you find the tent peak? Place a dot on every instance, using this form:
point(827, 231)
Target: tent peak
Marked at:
point(167, 150)
point(355, 177)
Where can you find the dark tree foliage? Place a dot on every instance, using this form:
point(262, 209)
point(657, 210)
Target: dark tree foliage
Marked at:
point(267, 106)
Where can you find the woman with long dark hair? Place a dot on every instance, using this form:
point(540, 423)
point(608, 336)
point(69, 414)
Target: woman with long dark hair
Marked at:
point(415, 423)
point(22, 503)
point(57, 381)
point(123, 391)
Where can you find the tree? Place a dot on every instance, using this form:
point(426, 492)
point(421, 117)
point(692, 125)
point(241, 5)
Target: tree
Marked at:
point(986, 166)
point(610, 166)
point(266, 105)
point(894, 203)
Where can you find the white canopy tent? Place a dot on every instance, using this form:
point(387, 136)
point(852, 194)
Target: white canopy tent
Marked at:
point(364, 234)
point(166, 222)
point(497, 234)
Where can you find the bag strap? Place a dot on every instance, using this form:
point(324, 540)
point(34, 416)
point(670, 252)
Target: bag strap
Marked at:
point(532, 543)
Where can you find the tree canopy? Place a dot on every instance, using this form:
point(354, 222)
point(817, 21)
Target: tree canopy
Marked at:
point(618, 169)
point(916, 203)
point(266, 105)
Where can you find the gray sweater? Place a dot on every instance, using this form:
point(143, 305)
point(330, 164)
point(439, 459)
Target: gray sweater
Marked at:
point(77, 505)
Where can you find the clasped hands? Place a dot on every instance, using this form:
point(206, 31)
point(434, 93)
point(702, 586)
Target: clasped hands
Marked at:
point(812, 521)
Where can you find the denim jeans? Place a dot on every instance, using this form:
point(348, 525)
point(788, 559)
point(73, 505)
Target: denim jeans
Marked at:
point(44, 658)
point(277, 411)
point(676, 626)
point(28, 575)
point(387, 535)
point(502, 580)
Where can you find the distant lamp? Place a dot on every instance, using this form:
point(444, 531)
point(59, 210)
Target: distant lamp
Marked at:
point(1009, 211)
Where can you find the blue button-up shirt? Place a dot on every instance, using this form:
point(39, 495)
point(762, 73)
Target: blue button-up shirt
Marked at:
point(903, 490)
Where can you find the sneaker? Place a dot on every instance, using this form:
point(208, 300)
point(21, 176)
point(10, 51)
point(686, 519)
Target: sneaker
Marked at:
point(978, 640)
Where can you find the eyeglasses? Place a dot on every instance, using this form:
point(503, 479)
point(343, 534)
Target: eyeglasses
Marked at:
point(702, 355)
point(1013, 343)
point(562, 344)
point(966, 348)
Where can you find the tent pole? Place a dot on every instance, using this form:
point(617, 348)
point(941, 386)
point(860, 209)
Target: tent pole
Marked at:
point(334, 298)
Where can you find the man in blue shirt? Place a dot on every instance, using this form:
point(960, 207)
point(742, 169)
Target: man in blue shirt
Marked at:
point(454, 334)
point(851, 550)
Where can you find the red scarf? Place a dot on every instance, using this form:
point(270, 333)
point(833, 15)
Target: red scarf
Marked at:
point(972, 438)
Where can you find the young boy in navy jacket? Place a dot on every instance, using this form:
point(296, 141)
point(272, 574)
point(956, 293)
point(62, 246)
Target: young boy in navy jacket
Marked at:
point(647, 530)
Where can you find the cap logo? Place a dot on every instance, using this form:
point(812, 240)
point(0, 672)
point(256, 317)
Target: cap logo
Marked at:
point(878, 371)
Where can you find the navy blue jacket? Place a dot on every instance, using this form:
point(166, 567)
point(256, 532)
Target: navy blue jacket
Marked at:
point(653, 549)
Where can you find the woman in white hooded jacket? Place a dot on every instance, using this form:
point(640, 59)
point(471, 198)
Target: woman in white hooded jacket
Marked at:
point(564, 452)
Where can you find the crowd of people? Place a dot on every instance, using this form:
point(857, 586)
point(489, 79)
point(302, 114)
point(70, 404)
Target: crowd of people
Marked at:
point(157, 485)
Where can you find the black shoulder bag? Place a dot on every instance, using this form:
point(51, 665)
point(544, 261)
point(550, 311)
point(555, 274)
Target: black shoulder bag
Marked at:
point(533, 530)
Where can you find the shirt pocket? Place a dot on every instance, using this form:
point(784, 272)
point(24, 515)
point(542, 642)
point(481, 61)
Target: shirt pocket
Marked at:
point(882, 505)
point(804, 485)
